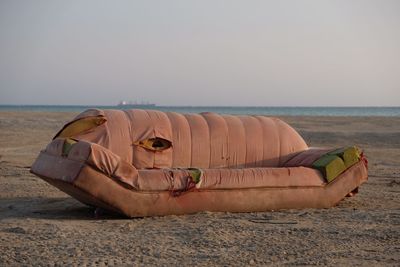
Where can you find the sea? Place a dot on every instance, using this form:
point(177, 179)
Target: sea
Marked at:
point(238, 110)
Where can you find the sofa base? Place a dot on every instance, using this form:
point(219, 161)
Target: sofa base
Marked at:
point(96, 189)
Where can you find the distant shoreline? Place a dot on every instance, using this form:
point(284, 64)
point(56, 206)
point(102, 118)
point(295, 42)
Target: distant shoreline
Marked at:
point(273, 111)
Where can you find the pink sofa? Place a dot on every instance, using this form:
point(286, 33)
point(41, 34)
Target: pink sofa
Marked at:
point(146, 162)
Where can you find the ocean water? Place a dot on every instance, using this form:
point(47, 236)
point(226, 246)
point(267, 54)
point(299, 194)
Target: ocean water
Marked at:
point(273, 111)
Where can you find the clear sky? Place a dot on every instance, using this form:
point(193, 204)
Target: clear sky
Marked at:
point(245, 53)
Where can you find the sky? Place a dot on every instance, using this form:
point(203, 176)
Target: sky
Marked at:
point(200, 53)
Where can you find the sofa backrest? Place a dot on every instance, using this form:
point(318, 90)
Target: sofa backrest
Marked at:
point(155, 139)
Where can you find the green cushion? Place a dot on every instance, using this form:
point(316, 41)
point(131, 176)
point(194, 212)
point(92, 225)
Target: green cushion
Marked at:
point(195, 174)
point(68, 143)
point(331, 166)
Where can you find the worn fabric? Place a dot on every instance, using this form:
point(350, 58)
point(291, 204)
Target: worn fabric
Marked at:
point(205, 140)
point(138, 162)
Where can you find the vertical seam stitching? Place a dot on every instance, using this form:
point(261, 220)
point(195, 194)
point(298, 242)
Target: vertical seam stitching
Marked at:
point(277, 131)
point(130, 132)
point(191, 138)
point(262, 138)
point(225, 153)
point(172, 148)
point(245, 140)
point(154, 132)
point(209, 139)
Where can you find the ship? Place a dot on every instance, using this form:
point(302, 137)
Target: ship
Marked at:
point(130, 104)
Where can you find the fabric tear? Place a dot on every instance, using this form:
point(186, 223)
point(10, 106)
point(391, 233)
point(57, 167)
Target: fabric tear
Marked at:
point(154, 144)
point(79, 126)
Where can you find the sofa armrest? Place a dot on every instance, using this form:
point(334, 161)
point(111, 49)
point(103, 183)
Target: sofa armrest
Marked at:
point(330, 162)
point(68, 156)
point(307, 157)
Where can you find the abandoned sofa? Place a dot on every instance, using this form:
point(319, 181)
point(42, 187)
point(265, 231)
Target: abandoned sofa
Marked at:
point(146, 162)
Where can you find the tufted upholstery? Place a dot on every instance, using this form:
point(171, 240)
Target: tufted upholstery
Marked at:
point(205, 140)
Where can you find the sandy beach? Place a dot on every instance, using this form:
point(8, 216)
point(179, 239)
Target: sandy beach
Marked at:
point(40, 225)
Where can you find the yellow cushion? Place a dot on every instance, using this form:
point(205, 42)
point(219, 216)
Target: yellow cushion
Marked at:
point(350, 155)
point(81, 125)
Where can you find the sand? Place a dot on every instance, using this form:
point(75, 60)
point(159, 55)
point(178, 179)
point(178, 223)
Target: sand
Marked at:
point(39, 225)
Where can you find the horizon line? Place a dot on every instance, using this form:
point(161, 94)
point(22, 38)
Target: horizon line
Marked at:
point(204, 106)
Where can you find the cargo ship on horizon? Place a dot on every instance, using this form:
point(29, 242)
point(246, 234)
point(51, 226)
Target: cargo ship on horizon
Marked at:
point(130, 104)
